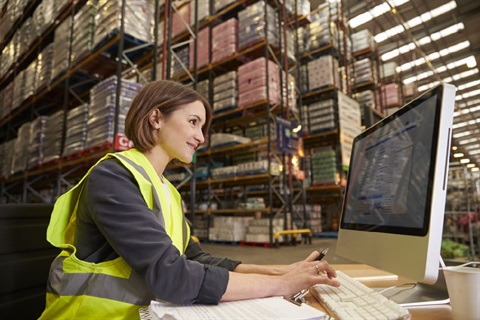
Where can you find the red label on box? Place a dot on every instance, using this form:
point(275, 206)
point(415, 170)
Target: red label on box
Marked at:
point(122, 143)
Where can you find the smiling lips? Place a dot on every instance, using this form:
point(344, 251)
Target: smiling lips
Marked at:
point(193, 146)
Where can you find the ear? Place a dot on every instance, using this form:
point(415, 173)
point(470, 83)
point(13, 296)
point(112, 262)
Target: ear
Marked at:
point(155, 118)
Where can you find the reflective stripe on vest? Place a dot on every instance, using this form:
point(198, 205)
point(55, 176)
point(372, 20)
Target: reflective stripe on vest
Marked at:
point(131, 290)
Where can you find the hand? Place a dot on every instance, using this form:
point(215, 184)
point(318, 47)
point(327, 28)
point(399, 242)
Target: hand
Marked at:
point(308, 273)
point(286, 268)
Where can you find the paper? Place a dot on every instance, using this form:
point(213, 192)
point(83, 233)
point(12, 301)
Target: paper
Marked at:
point(264, 308)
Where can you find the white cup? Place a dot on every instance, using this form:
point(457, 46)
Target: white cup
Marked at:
point(463, 285)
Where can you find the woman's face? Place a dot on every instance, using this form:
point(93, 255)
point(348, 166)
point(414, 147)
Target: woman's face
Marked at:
point(181, 133)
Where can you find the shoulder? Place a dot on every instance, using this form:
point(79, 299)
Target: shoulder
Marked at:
point(109, 171)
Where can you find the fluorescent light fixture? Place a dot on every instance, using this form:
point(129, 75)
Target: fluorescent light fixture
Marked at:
point(473, 146)
point(468, 141)
point(475, 169)
point(375, 12)
point(467, 95)
point(441, 69)
point(473, 152)
point(468, 85)
point(471, 165)
point(454, 148)
point(423, 41)
point(458, 155)
point(437, 55)
point(427, 16)
point(465, 111)
point(466, 160)
point(465, 123)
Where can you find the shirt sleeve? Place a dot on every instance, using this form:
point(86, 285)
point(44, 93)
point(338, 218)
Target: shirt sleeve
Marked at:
point(112, 201)
point(195, 252)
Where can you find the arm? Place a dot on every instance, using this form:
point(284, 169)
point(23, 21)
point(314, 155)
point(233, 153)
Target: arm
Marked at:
point(304, 275)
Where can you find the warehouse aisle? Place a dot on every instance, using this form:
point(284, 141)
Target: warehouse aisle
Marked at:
point(282, 255)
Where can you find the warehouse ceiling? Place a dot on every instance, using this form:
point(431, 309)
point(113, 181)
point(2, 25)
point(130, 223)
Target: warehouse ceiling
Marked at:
point(448, 36)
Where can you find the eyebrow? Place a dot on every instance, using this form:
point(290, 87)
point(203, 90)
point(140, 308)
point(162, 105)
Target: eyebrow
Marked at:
point(197, 116)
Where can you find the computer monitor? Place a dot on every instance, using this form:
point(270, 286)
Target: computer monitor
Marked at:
point(394, 204)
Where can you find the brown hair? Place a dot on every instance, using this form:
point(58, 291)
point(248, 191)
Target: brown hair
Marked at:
point(167, 96)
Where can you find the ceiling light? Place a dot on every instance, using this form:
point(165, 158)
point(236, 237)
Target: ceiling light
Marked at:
point(475, 152)
point(454, 148)
point(471, 165)
point(458, 155)
point(427, 16)
point(473, 146)
point(467, 94)
point(465, 123)
point(423, 41)
point(465, 111)
point(435, 56)
point(475, 169)
point(441, 69)
point(468, 141)
point(466, 160)
point(375, 12)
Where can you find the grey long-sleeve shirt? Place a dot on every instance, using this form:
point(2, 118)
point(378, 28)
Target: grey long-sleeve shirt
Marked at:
point(113, 220)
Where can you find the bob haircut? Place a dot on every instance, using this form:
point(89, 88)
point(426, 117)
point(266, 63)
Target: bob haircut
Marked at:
point(167, 96)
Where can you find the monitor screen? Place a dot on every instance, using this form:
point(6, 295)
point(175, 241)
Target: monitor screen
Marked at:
point(392, 216)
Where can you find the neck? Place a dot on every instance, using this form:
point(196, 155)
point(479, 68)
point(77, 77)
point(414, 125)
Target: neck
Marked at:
point(158, 159)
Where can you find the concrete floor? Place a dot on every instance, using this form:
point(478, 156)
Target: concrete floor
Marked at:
point(285, 254)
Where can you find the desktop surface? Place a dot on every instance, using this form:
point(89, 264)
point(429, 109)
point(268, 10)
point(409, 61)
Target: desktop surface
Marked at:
point(436, 312)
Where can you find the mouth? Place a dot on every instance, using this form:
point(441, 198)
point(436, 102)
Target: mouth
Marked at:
point(193, 146)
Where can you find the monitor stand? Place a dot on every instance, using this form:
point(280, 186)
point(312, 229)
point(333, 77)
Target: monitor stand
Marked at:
point(420, 295)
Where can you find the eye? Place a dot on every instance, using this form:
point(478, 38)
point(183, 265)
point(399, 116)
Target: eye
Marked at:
point(193, 121)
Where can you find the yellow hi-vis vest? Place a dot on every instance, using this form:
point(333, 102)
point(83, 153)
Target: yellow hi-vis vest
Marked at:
point(78, 289)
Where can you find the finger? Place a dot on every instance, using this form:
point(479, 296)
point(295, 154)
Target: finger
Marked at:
point(328, 269)
point(314, 255)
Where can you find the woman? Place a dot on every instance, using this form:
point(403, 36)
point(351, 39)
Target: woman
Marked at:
point(124, 237)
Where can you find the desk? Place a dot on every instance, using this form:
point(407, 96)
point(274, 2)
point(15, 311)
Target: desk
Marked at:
point(440, 312)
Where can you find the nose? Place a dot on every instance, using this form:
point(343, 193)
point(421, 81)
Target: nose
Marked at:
point(199, 136)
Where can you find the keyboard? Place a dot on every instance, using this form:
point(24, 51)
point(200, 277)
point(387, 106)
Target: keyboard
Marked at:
point(354, 300)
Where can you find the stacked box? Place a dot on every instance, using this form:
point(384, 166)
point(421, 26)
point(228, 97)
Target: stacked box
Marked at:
point(200, 224)
point(37, 142)
point(61, 47)
point(138, 19)
point(203, 48)
point(252, 204)
point(302, 39)
point(229, 228)
point(224, 172)
point(365, 98)
point(8, 158)
point(221, 4)
point(76, 135)
point(323, 72)
point(83, 30)
point(388, 70)
point(362, 41)
point(27, 34)
point(218, 140)
point(324, 168)
point(319, 116)
point(181, 19)
point(20, 149)
point(44, 66)
point(52, 149)
point(390, 95)
point(203, 88)
point(363, 71)
point(313, 217)
point(320, 31)
point(253, 27)
point(258, 167)
point(225, 91)
point(259, 229)
point(410, 90)
point(31, 78)
point(203, 11)
point(7, 99)
point(101, 125)
point(224, 40)
point(303, 80)
point(303, 7)
point(43, 15)
point(18, 87)
point(181, 62)
point(7, 58)
point(253, 82)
